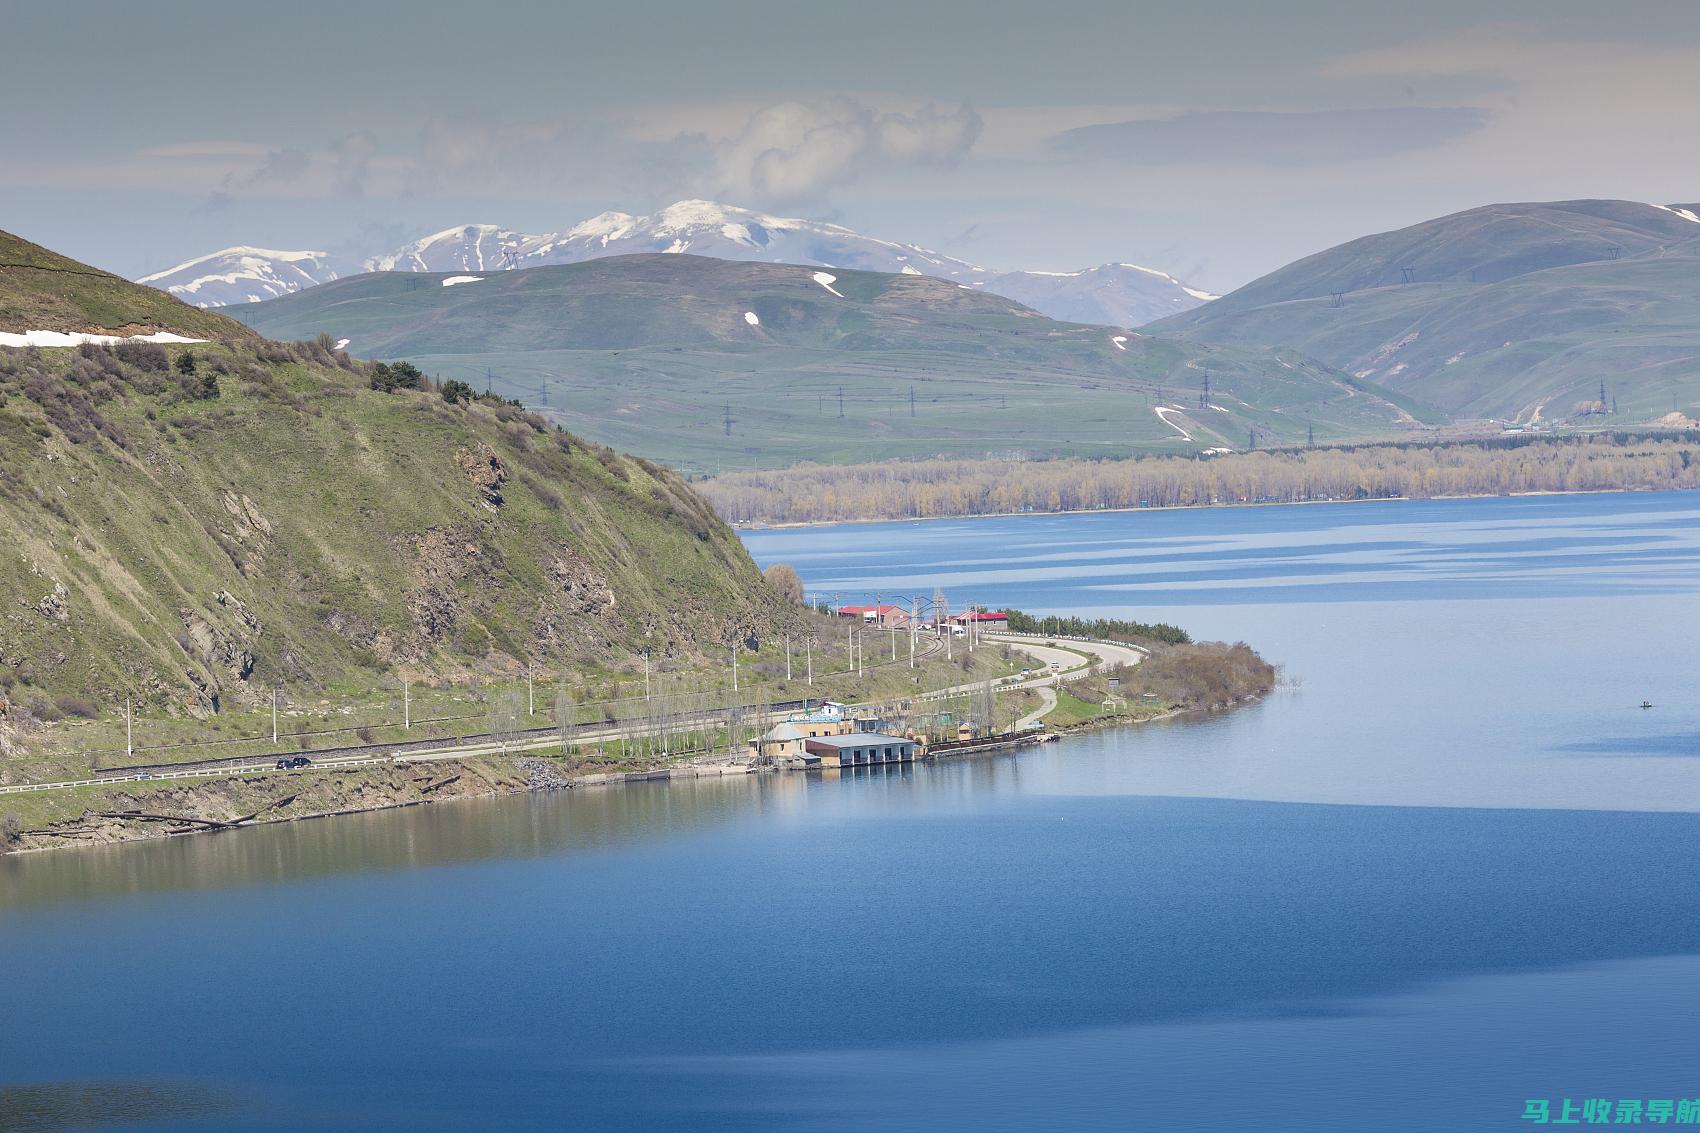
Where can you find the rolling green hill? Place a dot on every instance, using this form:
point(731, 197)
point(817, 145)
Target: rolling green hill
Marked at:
point(42, 290)
point(1517, 312)
point(188, 538)
point(654, 353)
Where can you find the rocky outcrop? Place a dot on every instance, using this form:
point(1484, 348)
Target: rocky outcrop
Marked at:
point(585, 591)
point(486, 472)
point(56, 604)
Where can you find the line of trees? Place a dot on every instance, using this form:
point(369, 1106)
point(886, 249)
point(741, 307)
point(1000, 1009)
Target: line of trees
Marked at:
point(931, 488)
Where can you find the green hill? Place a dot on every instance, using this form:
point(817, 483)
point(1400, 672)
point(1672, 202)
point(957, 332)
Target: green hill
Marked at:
point(654, 353)
point(42, 290)
point(1509, 311)
point(195, 537)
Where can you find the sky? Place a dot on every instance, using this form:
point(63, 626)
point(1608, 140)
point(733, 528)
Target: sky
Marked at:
point(1213, 140)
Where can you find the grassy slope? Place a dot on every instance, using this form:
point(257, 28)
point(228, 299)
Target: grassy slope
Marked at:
point(42, 290)
point(650, 352)
point(346, 536)
point(1513, 308)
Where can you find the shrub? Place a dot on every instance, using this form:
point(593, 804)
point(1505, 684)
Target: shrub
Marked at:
point(11, 832)
point(72, 706)
point(364, 733)
point(149, 356)
point(185, 363)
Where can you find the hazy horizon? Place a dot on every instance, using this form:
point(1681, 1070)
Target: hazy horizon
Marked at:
point(1216, 143)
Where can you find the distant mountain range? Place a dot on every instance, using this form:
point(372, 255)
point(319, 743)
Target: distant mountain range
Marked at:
point(712, 364)
point(1113, 294)
point(1518, 312)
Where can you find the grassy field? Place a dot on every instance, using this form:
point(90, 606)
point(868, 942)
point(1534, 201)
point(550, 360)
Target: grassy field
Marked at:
point(1515, 312)
point(653, 354)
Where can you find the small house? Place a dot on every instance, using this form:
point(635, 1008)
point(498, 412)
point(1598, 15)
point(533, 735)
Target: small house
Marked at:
point(860, 748)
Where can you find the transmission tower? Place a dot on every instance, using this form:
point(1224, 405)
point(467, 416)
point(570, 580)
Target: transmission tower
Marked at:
point(911, 400)
point(728, 418)
point(841, 401)
point(1204, 395)
point(1338, 300)
point(1409, 275)
point(1310, 434)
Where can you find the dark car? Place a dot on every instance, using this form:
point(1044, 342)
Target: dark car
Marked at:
point(300, 761)
point(283, 765)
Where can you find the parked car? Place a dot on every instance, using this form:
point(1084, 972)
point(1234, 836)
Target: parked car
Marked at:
point(283, 765)
point(300, 761)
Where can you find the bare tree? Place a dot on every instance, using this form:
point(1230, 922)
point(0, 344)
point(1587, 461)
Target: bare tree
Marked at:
point(507, 712)
point(566, 721)
point(784, 578)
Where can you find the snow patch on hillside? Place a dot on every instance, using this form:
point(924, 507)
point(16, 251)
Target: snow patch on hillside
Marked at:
point(826, 281)
point(1683, 213)
point(1163, 414)
point(77, 338)
point(1121, 341)
point(457, 279)
point(751, 318)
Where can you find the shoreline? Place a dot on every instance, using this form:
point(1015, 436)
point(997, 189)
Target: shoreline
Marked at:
point(756, 525)
point(131, 834)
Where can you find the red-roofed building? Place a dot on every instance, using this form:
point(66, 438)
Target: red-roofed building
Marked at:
point(877, 615)
point(984, 619)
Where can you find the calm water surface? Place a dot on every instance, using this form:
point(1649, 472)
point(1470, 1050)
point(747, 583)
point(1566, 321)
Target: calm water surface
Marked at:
point(1451, 866)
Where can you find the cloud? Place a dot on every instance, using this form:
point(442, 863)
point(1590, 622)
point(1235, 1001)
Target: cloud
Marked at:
point(279, 166)
point(351, 157)
point(1268, 137)
point(793, 151)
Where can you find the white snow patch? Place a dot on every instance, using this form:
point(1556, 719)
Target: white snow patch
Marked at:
point(907, 270)
point(341, 344)
point(454, 279)
point(77, 338)
point(1204, 295)
point(677, 246)
point(1121, 341)
point(1454, 359)
point(751, 318)
point(1163, 414)
point(826, 281)
point(1216, 451)
point(1220, 408)
point(1683, 213)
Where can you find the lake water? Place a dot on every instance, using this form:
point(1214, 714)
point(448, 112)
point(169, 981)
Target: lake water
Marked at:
point(1448, 867)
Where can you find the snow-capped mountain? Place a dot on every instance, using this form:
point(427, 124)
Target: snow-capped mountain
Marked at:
point(249, 275)
point(1116, 294)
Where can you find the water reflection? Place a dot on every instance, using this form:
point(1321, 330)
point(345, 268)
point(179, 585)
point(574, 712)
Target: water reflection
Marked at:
point(55, 1106)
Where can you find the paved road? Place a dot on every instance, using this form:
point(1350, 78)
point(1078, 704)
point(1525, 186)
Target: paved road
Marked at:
point(1073, 661)
point(1047, 701)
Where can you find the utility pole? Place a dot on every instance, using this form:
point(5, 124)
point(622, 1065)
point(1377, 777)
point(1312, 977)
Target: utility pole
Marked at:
point(1204, 397)
point(809, 657)
point(130, 730)
point(530, 692)
point(646, 675)
point(1310, 434)
point(911, 399)
point(728, 418)
point(274, 715)
point(734, 668)
point(841, 401)
point(787, 657)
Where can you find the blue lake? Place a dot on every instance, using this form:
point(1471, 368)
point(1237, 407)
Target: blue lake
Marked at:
point(1449, 866)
